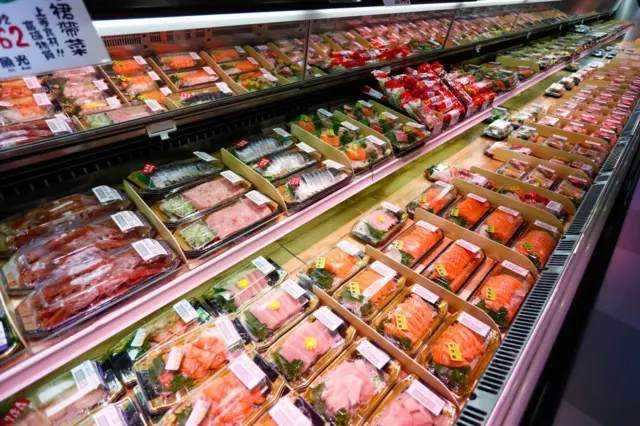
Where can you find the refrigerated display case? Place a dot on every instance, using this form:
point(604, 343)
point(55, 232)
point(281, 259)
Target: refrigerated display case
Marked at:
point(303, 137)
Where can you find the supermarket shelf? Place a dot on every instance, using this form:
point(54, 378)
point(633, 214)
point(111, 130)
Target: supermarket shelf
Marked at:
point(58, 354)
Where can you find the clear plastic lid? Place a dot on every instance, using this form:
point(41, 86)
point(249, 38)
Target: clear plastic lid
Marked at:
point(194, 78)
point(179, 61)
point(233, 291)
point(447, 173)
point(305, 187)
point(501, 225)
point(103, 281)
point(499, 129)
point(135, 84)
point(408, 136)
point(256, 80)
point(170, 324)
point(538, 242)
point(541, 176)
point(254, 148)
point(121, 413)
point(455, 265)
point(379, 225)
point(370, 290)
point(332, 268)
point(290, 409)
point(366, 152)
point(275, 312)
point(556, 141)
point(35, 107)
point(468, 211)
point(435, 199)
point(33, 131)
point(414, 243)
point(514, 169)
point(571, 191)
point(503, 291)
point(594, 153)
point(281, 165)
point(526, 133)
point(227, 54)
point(130, 66)
point(167, 373)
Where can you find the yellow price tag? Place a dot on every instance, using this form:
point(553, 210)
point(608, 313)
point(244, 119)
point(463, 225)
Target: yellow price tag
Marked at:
point(310, 343)
point(422, 199)
point(398, 244)
point(454, 212)
point(441, 270)
point(320, 263)
point(275, 305)
point(354, 288)
point(454, 351)
point(401, 322)
point(381, 219)
point(490, 293)
point(490, 228)
point(244, 283)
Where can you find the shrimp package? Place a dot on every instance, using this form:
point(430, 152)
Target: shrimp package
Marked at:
point(411, 402)
point(170, 371)
point(274, 313)
point(453, 267)
point(370, 290)
point(410, 319)
point(435, 199)
point(379, 225)
point(349, 389)
point(468, 211)
point(304, 351)
point(332, 268)
point(503, 291)
point(501, 225)
point(459, 352)
point(538, 242)
point(233, 291)
point(414, 244)
point(237, 395)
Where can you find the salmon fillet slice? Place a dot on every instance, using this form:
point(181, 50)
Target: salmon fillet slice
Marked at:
point(471, 346)
point(537, 245)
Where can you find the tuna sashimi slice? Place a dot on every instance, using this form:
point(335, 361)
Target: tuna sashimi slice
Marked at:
point(276, 309)
point(244, 213)
point(381, 220)
point(296, 348)
point(212, 193)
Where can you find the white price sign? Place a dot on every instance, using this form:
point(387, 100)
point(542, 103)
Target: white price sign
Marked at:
point(38, 36)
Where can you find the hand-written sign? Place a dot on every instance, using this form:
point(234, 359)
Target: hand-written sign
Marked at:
point(38, 36)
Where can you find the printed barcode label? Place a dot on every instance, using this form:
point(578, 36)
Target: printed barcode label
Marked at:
point(140, 60)
point(306, 148)
point(473, 324)
point(88, 70)
point(268, 75)
point(240, 50)
point(333, 164)
point(138, 339)
point(414, 125)
point(257, 198)
point(375, 94)
point(165, 91)
point(426, 397)
point(284, 413)
point(325, 112)
point(247, 371)
point(106, 194)
point(153, 105)
point(262, 47)
point(57, 126)
point(149, 249)
point(253, 61)
point(509, 211)
point(175, 359)
point(109, 416)
point(229, 333)
point(153, 75)
point(186, 311)
point(427, 226)
point(389, 115)
point(391, 207)
point(282, 132)
point(263, 265)
point(376, 140)
point(467, 245)
point(209, 71)
point(194, 55)
point(3, 336)
point(587, 168)
point(199, 412)
point(224, 88)
point(480, 180)
point(525, 151)
point(425, 294)
point(231, 177)
point(127, 220)
point(348, 248)
point(546, 226)
point(294, 290)
point(41, 99)
point(328, 318)
point(515, 268)
point(113, 102)
point(372, 354)
point(86, 376)
point(477, 198)
point(204, 156)
point(31, 82)
point(562, 138)
point(101, 85)
point(366, 104)
point(383, 269)
point(349, 126)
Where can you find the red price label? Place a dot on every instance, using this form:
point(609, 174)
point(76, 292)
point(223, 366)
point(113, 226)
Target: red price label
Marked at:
point(12, 36)
point(263, 163)
point(295, 181)
point(242, 143)
point(148, 169)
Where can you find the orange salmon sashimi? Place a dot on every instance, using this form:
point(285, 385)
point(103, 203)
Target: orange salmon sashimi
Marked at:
point(178, 61)
point(537, 245)
point(409, 323)
point(224, 55)
point(434, 199)
point(468, 211)
point(500, 297)
point(367, 292)
point(455, 265)
point(332, 268)
point(414, 243)
point(501, 225)
point(127, 66)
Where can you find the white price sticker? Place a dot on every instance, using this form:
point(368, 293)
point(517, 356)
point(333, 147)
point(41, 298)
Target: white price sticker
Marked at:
point(268, 75)
point(263, 265)
point(253, 61)
point(195, 56)
point(149, 249)
point(349, 126)
point(468, 246)
point(138, 339)
point(425, 294)
point(426, 397)
point(325, 112)
point(306, 148)
point(153, 105)
point(480, 180)
point(58, 126)
point(204, 156)
point(391, 207)
point(328, 318)
point(284, 413)
point(224, 88)
point(477, 198)
point(372, 354)
point(127, 220)
point(165, 91)
point(154, 75)
point(473, 324)
point(427, 226)
point(198, 414)
point(140, 60)
point(3, 336)
point(333, 164)
point(282, 132)
point(509, 211)
point(389, 115)
point(231, 177)
point(229, 333)
point(186, 311)
point(376, 140)
point(106, 194)
point(113, 102)
point(175, 359)
point(383, 269)
point(109, 416)
point(209, 71)
point(31, 82)
point(366, 104)
point(247, 371)
point(240, 50)
point(546, 226)
point(41, 99)
point(414, 125)
point(294, 290)
point(515, 268)
point(101, 85)
point(86, 376)
point(257, 198)
point(348, 248)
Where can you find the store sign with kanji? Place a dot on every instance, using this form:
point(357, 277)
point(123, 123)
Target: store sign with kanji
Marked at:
point(38, 36)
